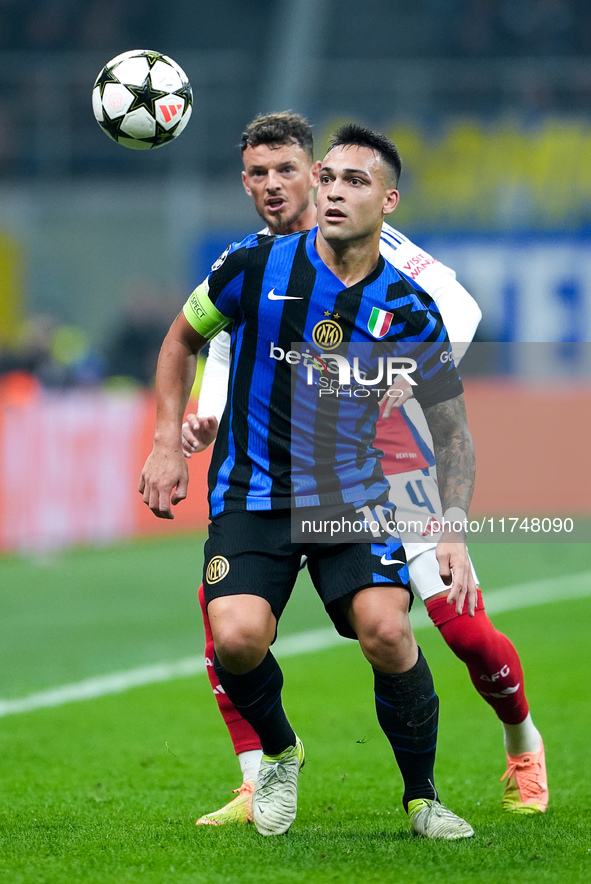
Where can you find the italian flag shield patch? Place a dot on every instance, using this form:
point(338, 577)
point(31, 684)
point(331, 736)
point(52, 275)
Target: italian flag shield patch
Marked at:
point(379, 322)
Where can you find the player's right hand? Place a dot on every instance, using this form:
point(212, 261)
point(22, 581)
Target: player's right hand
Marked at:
point(198, 433)
point(163, 481)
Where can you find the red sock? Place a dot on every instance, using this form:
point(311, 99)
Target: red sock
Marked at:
point(243, 737)
point(492, 661)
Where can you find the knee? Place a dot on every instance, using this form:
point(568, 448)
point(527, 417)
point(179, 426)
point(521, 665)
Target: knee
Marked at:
point(239, 643)
point(241, 634)
point(388, 644)
point(384, 635)
point(380, 618)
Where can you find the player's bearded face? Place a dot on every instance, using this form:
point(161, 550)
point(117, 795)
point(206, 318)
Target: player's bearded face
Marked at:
point(279, 179)
point(354, 193)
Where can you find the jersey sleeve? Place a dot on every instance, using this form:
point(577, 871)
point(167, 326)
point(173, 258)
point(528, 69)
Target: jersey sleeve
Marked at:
point(447, 385)
point(438, 380)
point(436, 375)
point(214, 385)
point(215, 303)
point(461, 314)
point(201, 313)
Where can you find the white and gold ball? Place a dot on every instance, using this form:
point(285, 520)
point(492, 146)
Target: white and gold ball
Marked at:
point(142, 99)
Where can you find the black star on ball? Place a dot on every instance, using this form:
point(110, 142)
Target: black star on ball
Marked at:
point(105, 76)
point(144, 96)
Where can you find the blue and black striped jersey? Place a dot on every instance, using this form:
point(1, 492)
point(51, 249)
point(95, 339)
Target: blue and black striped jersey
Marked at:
point(292, 433)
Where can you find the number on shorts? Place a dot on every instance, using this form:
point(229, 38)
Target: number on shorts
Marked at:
point(418, 495)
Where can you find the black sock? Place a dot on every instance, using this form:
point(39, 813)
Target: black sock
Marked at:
point(408, 712)
point(257, 697)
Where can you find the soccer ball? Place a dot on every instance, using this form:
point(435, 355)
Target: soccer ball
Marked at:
point(142, 99)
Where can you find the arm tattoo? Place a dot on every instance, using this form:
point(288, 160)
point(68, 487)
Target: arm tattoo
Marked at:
point(454, 452)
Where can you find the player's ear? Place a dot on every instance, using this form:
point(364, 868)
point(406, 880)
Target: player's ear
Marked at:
point(244, 184)
point(390, 200)
point(314, 170)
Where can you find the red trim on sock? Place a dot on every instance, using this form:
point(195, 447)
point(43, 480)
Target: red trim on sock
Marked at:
point(492, 661)
point(243, 736)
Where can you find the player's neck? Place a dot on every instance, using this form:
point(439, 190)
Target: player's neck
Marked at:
point(350, 261)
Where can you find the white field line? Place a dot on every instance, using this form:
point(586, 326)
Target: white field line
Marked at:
point(525, 595)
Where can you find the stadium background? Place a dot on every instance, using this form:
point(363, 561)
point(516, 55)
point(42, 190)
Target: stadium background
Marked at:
point(99, 245)
point(489, 102)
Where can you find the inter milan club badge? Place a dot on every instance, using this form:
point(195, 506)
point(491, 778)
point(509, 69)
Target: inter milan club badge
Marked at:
point(379, 322)
point(217, 569)
point(327, 334)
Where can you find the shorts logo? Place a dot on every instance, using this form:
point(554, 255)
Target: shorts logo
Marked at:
point(217, 569)
point(327, 334)
point(386, 561)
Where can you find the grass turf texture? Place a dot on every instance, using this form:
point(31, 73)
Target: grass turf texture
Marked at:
point(108, 790)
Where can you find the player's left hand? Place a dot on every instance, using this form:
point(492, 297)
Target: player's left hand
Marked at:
point(456, 572)
point(198, 433)
point(399, 393)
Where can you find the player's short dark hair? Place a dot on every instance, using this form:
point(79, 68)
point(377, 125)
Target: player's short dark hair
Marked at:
point(361, 136)
point(277, 130)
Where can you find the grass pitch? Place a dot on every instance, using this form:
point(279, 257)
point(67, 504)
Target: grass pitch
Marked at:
point(108, 790)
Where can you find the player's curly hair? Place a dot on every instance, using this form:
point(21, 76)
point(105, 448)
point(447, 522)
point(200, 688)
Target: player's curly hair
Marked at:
point(361, 136)
point(277, 130)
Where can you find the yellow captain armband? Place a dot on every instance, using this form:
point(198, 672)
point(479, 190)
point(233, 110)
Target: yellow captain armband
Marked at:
point(205, 318)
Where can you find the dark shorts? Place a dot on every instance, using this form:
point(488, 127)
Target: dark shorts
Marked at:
point(253, 554)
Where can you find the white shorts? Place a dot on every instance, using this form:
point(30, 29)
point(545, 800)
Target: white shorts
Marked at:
point(416, 497)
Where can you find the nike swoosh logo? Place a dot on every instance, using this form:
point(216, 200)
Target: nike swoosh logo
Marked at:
point(386, 561)
point(273, 297)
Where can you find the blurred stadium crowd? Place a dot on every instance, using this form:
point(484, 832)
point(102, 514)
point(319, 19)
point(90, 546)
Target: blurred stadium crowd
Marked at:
point(460, 28)
point(58, 356)
point(431, 59)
